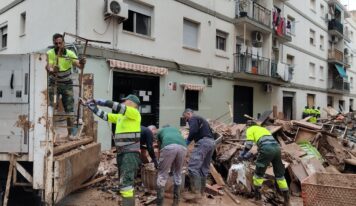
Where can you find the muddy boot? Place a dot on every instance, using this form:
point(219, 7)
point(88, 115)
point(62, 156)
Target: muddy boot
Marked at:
point(258, 195)
point(128, 201)
point(286, 198)
point(203, 185)
point(195, 185)
point(160, 196)
point(176, 195)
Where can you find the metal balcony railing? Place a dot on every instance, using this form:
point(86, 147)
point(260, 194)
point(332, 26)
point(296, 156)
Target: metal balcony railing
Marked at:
point(285, 72)
point(339, 84)
point(336, 25)
point(253, 64)
point(334, 54)
point(253, 10)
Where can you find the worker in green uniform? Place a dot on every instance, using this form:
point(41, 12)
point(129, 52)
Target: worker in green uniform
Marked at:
point(305, 112)
point(127, 140)
point(268, 151)
point(59, 67)
point(313, 113)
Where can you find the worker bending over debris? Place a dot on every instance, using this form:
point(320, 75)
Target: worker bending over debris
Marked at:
point(268, 151)
point(173, 150)
point(199, 163)
point(59, 66)
point(127, 140)
point(146, 142)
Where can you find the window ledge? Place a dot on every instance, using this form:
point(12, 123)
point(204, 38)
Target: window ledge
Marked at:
point(221, 54)
point(311, 77)
point(192, 49)
point(139, 35)
point(22, 35)
point(312, 10)
point(321, 80)
point(4, 48)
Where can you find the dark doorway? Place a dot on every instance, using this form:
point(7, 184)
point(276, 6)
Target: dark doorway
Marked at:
point(146, 88)
point(288, 108)
point(192, 100)
point(243, 103)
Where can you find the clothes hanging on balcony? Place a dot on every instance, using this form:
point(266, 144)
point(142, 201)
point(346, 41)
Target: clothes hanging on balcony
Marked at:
point(278, 22)
point(341, 70)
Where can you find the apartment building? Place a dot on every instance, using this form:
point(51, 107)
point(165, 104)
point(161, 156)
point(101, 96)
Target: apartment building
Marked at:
point(199, 54)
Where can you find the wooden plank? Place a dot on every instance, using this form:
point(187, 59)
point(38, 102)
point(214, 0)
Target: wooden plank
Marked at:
point(229, 153)
point(70, 145)
point(294, 150)
point(8, 180)
point(217, 177)
point(264, 117)
point(304, 135)
point(273, 129)
point(307, 125)
point(233, 197)
point(275, 111)
point(99, 179)
point(73, 168)
point(24, 173)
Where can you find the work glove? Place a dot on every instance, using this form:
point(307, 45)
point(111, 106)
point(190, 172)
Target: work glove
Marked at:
point(155, 162)
point(100, 102)
point(90, 103)
point(242, 155)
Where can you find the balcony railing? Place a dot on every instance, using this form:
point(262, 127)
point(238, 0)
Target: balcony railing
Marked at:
point(339, 84)
point(336, 25)
point(285, 71)
point(253, 64)
point(335, 54)
point(253, 10)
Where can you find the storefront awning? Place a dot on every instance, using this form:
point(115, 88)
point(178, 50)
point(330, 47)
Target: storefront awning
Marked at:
point(194, 87)
point(116, 64)
point(341, 70)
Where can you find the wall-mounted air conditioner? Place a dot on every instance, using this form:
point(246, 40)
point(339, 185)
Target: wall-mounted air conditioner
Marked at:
point(257, 39)
point(116, 8)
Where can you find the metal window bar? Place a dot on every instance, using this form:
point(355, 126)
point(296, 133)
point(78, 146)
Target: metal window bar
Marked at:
point(250, 63)
point(336, 25)
point(261, 14)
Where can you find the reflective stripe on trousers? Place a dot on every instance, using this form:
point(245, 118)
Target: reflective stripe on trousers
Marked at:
point(127, 192)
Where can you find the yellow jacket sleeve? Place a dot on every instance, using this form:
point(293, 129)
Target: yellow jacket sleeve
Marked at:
point(112, 118)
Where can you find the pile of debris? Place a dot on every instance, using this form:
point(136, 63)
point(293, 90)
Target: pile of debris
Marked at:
point(307, 148)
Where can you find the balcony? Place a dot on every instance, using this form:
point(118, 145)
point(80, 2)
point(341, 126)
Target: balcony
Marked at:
point(338, 85)
point(347, 35)
point(336, 28)
point(347, 61)
point(282, 33)
point(282, 71)
point(254, 68)
point(335, 56)
point(253, 15)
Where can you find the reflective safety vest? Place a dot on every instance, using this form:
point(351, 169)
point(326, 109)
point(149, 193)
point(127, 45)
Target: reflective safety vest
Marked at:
point(259, 135)
point(128, 130)
point(64, 63)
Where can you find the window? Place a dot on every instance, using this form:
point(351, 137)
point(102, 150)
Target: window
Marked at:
point(192, 99)
point(291, 21)
point(310, 100)
point(290, 60)
point(139, 19)
point(321, 73)
point(322, 11)
point(321, 42)
point(190, 34)
point(341, 105)
point(351, 106)
point(22, 23)
point(3, 35)
point(351, 82)
point(312, 37)
point(312, 70)
point(312, 5)
point(221, 40)
point(330, 101)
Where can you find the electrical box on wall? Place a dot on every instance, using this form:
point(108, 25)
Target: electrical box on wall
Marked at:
point(14, 81)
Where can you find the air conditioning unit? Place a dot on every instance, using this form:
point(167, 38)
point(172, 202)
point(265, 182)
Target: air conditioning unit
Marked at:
point(257, 39)
point(116, 8)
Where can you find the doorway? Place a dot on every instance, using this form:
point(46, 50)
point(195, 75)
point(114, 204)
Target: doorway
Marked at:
point(243, 103)
point(146, 88)
point(288, 105)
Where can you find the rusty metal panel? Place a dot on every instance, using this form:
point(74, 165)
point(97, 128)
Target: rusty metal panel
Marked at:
point(88, 118)
point(73, 168)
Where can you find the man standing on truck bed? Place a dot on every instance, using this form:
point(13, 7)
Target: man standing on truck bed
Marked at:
point(127, 140)
point(59, 65)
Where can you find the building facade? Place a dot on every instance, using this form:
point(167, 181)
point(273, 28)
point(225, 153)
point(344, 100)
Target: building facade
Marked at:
point(200, 54)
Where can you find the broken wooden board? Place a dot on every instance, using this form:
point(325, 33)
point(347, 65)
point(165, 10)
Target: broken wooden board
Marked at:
point(350, 161)
point(332, 169)
point(331, 111)
point(237, 129)
point(73, 168)
point(312, 166)
point(216, 175)
point(273, 129)
point(307, 125)
point(298, 171)
point(229, 153)
point(263, 118)
point(294, 150)
point(304, 135)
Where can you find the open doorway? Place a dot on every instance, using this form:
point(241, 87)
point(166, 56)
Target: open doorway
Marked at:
point(243, 103)
point(288, 105)
point(146, 88)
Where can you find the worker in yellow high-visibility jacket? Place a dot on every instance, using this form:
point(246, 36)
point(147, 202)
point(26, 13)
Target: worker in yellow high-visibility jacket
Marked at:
point(268, 151)
point(127, 140)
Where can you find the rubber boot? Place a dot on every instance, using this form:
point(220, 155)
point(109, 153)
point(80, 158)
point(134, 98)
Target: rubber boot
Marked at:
point(286, 198)
point(202, 187)
point(176, 195)
point(128, 201)
point(72, 129)
point(160, 196)
point(258, 195)
point(195, 186)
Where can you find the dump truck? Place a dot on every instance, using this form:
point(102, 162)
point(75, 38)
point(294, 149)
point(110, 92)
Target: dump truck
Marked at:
point(34, 151)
